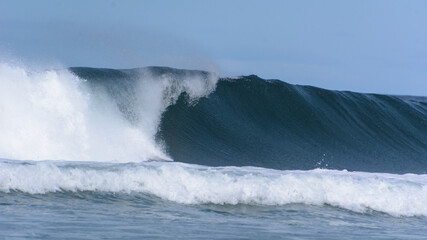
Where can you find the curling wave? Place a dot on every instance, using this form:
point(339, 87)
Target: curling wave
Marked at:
point(160, 113)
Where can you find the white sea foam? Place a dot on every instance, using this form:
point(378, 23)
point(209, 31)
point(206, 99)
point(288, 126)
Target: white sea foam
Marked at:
point(52, 115)
point(398, 195)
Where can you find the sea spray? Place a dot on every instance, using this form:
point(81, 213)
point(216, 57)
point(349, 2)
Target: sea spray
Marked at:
point(54, 114)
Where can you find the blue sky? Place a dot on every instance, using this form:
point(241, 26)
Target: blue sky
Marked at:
point(366, 46)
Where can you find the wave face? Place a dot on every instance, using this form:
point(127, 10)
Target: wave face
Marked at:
point(159, 113)
point(397, 195)
point(249, 121)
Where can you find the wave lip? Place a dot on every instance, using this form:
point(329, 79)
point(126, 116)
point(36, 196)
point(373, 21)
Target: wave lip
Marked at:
point(397, 195)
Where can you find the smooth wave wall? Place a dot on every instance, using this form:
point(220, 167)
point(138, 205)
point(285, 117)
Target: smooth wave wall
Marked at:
point(249, 121)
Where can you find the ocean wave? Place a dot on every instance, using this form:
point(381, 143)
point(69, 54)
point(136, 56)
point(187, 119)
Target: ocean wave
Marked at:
point(397, 195)
point(160, 113)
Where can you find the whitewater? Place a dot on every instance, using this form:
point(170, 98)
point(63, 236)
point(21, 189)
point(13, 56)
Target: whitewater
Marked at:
point(398, 195)
point(52, 115)
point(157, 152)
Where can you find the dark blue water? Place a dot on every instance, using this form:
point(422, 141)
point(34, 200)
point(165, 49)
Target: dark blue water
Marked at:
point(161, 153)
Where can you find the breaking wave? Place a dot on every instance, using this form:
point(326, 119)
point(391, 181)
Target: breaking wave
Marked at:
point(397, 195)
point(57, 115)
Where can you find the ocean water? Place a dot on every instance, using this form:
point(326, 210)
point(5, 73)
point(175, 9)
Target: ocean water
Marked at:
point(162, 153)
